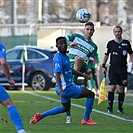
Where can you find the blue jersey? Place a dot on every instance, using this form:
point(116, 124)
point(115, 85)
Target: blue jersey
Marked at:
point(62, 65)
point(2, 51)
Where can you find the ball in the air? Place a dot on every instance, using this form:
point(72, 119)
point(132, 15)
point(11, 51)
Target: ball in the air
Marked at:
point(83, 15)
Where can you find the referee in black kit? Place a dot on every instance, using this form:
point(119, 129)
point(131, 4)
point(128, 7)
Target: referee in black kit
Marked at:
point(118, 50)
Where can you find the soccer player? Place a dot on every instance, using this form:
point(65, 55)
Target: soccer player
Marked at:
point(118, 49)
point(65, 88)
point(5, 99)
point(82, 55)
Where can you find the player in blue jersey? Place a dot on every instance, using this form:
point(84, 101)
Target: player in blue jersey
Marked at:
point(5, 99)
point(65, 88)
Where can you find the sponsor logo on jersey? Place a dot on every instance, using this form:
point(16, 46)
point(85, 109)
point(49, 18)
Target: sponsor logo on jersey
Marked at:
point(124, 44)
point(85, 45)
point(57, 65)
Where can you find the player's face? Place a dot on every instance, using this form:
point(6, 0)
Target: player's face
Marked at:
point(117, 32)
point(88, 31)
point(62, 46)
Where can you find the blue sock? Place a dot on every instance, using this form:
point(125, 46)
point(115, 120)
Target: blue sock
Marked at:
point(89, 106)
point(15, 117)
point(53, 111)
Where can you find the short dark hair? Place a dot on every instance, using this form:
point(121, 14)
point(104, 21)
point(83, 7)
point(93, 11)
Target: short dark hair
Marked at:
point(89, 23)
point(118, 27)
point(59, 38)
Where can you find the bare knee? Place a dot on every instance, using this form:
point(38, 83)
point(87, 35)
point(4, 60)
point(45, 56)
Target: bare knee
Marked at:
point(87, 93)
point(7, 103)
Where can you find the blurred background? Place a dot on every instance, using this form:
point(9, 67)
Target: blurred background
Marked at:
point(39, 22)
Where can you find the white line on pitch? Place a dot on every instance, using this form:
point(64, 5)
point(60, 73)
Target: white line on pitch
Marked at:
point(79, 106)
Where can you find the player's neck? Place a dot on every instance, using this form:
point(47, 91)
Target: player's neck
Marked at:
point(88, 38)
point(118, 39)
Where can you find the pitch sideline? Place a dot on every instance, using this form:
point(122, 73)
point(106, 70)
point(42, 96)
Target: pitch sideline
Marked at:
point(79, 106)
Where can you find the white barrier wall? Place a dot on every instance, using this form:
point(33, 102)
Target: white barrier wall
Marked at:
point(46, 37)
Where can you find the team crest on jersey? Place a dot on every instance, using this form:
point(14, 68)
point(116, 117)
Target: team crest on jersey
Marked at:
point(124, 52)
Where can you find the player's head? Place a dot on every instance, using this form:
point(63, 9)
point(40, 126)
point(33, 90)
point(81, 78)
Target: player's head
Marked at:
point(89, 30)
point(61, 44)
point(117, 30)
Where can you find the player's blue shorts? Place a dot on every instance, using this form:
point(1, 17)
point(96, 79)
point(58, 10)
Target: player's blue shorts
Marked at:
point(3, 94)
point(70, 92)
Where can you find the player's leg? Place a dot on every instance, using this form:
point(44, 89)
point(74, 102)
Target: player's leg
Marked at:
point(121, 97)
point(66, 105)
point(12, 110)
point(111, 98)
point(89, 105)
point(112, 86)
point(77, 66)
point(121, 86)
point(57, 110)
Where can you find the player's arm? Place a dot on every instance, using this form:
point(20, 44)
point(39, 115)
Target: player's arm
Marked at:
point(70, 38)
point(58, 81)
point(6, 71)
point(131, 57)
point(105, 59)
point(86, 76)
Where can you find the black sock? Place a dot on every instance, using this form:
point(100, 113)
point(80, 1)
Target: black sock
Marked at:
point(110, 100)
point(121, 97)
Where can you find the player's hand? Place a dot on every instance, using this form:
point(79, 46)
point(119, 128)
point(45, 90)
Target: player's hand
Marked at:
point(104, 70)
point(74, 45)
point(86, 76)
point(89, 71)
point(11, 82)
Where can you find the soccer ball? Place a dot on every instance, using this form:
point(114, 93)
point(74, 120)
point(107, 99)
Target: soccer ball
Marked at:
point(83, 15)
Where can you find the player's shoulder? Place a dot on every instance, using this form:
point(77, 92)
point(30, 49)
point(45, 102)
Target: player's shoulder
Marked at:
point(77, 35)
point(126, 41)
point(58, 55)
point(2, 45)
point(94, 44)
point(111, 41)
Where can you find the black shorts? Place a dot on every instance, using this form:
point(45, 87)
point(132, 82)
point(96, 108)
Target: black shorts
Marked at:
point(117, 75)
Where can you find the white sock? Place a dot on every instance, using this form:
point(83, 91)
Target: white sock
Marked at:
point(21, 131)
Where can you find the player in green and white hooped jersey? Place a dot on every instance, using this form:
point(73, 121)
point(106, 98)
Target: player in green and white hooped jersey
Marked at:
point(83, 54)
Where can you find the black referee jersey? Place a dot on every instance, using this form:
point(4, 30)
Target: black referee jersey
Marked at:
point(118, 52)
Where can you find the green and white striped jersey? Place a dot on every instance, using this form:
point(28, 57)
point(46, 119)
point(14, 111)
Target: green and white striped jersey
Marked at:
point(86, 49)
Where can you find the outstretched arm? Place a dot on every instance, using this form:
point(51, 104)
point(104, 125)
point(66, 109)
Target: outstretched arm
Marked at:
point(6, 71)
point(86, 76)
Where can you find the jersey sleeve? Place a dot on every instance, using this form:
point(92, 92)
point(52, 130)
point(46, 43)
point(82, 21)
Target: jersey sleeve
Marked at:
point(130, 51)
point(2, 51)
point(57, 63)
point(71, 37)
point(108, 48)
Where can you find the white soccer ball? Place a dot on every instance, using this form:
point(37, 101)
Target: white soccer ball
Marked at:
point(83, 15)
